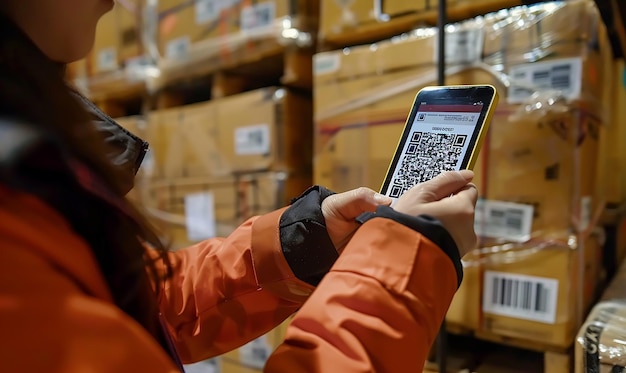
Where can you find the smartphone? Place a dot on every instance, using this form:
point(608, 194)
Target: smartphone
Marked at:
point(443, 132)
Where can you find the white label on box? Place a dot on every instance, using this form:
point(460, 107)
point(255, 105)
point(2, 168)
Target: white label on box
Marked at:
point(255, 354)
point(507, 220)
point(562, 75)
point(208, 10)
point(200, 216)
point(258, 16)
point(326, 63)
point(136, 68)
point(462, 46)
point(520, 296)
point(107, 59)
point(178, 48)
point(252, 140)
point(586, 212)
point(206, 366)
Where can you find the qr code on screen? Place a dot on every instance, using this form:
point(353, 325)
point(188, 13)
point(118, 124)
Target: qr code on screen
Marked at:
point(427, 155)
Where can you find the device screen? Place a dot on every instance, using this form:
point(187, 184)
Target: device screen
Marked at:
point(440, 135)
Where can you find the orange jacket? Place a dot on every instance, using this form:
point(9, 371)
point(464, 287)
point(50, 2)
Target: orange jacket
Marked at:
point(378, 309)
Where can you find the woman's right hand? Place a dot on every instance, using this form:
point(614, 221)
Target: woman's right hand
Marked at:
point(451, 199)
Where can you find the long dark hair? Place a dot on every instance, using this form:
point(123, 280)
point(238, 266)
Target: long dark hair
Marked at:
point(32, 88)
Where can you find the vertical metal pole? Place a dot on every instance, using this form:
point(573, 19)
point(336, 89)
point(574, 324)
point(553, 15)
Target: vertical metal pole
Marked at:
point(442, 338)
point(441, 58)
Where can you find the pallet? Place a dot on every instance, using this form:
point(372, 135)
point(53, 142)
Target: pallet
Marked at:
point(209, 76)
point(375, 32)
point(215, 75)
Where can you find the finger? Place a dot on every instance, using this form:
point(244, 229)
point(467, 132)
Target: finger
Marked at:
point(469, 192)
point(464, 202)
point(353, 203)
point(442, 186)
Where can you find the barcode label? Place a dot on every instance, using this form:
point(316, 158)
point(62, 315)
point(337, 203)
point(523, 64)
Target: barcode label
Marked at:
point(521, 297)
point(208, 10)
point(462, 46)
point(252, 140)
point(255, 353)
point(200, 216)
point(506, 220)
point(107, 59)
point(257, 16)
point(326, 63)
point(178, 48)
point(562, 75)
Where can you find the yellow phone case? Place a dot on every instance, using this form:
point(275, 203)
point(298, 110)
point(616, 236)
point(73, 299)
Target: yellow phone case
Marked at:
point(484, 126)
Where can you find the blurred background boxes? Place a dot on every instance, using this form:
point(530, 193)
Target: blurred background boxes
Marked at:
point(223, 27)
point(118, 38)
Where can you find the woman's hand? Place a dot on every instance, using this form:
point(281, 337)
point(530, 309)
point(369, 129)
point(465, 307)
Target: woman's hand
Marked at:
point(341, 210)
point(451, 199)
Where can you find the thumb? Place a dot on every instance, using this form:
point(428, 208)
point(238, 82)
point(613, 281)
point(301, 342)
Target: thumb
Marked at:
point(443, 185)
point(353, 203)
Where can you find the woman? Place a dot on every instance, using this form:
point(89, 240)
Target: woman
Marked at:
point(75, 295)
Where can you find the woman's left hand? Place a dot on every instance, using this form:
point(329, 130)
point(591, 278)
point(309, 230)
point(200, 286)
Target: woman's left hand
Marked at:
point(340, 211)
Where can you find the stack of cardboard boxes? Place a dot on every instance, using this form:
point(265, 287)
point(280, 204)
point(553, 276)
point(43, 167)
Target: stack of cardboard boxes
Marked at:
point(167, 33)
point(213, 165)
point(337, 17)
point(346, 23)
point(220, 27)
point(538, 269)
point(118, 38)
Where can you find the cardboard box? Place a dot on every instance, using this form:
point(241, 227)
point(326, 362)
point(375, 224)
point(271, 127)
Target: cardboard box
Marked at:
point(226, 25)
point(545, 46)
point(615, 137)
point(539, 292)
point(104, 55)
point(182, 23)
point(262, 130)
point(546, 160)
point(187, 211)
point(129, 30)
point(541, 27)
point(118, 39)
point(600, 347)
point(335, 16)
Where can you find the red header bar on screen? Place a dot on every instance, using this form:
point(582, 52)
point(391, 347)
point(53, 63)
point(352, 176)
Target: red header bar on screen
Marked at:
point(450, 108)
